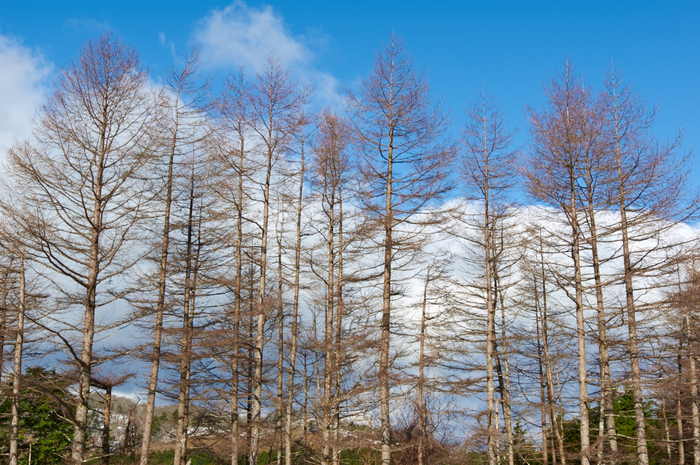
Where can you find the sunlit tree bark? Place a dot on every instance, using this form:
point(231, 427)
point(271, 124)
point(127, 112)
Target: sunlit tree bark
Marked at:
point(485, 170)
point(559, 143)
point(183, 101)
point(402, 137)
point(274, 108)
point(79, 172)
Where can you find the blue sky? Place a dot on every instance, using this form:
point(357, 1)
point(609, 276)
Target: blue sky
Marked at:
point(510, 48)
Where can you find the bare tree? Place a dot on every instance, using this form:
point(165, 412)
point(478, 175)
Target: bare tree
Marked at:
point(294, 335)
point(536, 265)
point(192, 264)
point(231, 157)
point(90, 141)
point(8, 248)
point(331, 174)
point(8, 283)
point(650, 193)
point(485, 168)
point(401, 134)
point(183, 99)
point(560, 141)
point(274, 108)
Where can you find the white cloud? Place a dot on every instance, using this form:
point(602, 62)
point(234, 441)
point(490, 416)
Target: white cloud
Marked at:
point(241, 35)
point(22, 89)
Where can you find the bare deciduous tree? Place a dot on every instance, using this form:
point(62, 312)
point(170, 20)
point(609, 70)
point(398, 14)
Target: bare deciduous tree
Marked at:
point(183, 101)
point(78, 171)
point(485, 168)
point(401, 134)
point(651, 195)
point(274, 109)
point(560, 141)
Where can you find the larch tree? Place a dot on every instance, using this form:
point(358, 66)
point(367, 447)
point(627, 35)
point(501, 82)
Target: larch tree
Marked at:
point(536, 264)
point(401, 133)
point(594, 184)
point(13, 282)
point(485, 166)
point(231, 157)
point(558, 146)
point(8, 284)
point(305, 123)
point(79, 171)
point(685, 323)
point(274, 112)
point(192, 264)
point(183, 101)
point(330, 174)
point(651, 196)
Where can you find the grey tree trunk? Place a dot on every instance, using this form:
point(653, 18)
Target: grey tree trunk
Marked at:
point(279, 407)
point(551, 400)
point(295, 318)
point(106, 425)
point(694, 400)
point(192, 253)
point(679, 402)
point(504, 368)
point(386, 314)
point(580, 331)
point(160, 304)
point(17, 366)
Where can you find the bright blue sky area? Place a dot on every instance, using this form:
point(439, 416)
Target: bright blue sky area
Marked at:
point(508, 47)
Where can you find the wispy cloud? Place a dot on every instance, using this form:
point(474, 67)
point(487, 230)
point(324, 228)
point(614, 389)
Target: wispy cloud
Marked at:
point(167, 43)
point(87, 25)
point(23, 89)
point(241, 35)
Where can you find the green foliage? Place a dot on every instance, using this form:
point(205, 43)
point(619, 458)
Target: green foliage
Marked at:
point(625, 427)
point(198, 457)
point(157, 424)
point(525, 451)
point(42, 425)
point(359, 456)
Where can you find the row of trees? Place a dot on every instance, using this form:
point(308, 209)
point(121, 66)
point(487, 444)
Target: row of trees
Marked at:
point(307, 282)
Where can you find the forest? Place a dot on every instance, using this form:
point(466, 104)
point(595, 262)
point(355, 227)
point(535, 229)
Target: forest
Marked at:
point(372, 283)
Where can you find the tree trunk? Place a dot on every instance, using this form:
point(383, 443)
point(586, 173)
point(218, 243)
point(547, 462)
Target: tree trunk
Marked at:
point(106, 423)
point(580, 331)
point(279, 407)
point(289, 439)
point(85, 363)
point(328, 351)
point(606, 402)
point(554, 417)
point(17, 366)
point(261, 311)
point(679, 401)
point(492, 432)
point(6, 286)
point(543, 382)
point(504, 371)
point(386, 316)
point(694, 400)
point(160, 305)
point(193, 247)
point(633, 345)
